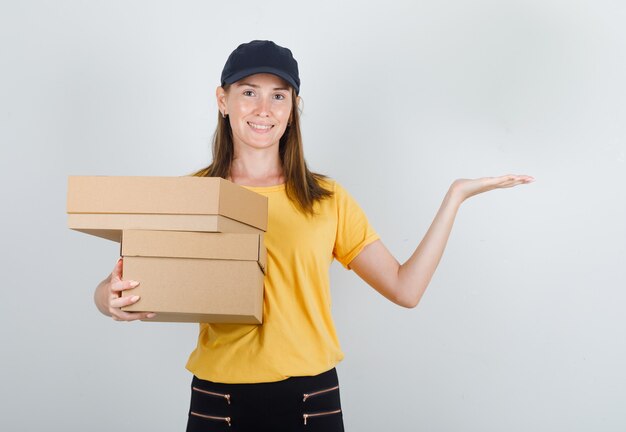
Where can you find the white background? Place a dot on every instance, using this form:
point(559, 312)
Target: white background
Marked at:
point(523, 327)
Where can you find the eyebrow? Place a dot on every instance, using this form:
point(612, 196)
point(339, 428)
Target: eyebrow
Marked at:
point(242, 84)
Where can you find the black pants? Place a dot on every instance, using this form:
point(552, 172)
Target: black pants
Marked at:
point(295, 404)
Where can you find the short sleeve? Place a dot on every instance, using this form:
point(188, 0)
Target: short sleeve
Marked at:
point(353, 229)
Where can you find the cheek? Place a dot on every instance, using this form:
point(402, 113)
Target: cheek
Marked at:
point(284, 113)
point(239, 108)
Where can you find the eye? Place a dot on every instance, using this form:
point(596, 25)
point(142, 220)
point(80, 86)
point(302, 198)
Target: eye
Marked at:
point(279, 96)
point(248, 93)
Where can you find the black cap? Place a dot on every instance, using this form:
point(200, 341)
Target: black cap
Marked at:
point(261, 57)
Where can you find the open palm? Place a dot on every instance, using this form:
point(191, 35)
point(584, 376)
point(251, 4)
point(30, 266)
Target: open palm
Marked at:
point(465, 188)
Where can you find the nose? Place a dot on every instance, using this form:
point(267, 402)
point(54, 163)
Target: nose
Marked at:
point(263, 107)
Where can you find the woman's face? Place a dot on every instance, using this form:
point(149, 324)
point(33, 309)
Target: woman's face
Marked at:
point(259, 108)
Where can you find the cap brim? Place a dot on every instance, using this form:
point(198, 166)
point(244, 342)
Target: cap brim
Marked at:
point(261, 69)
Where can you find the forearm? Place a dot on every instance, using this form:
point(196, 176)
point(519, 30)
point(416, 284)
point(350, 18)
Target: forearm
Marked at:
point(405, 284)
point(416, 273)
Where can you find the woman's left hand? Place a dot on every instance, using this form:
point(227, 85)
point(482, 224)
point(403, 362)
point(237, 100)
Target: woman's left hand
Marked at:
point(463, 189)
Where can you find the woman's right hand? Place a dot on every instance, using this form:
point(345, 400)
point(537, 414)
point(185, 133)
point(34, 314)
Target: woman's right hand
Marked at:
point(109, 300)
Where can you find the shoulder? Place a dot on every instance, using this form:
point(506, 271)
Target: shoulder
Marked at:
point(341, 198)
point(333, 186)
point(340, 193)
point(327, 183)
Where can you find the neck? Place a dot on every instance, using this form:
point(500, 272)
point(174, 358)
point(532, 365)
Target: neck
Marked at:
point(252, 167)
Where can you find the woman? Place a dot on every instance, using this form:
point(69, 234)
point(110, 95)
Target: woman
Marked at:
point(280, 375)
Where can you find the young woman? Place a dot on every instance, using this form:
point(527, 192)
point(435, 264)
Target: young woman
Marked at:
point(280, 376)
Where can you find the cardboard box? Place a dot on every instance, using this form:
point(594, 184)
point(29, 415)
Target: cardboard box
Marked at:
point(104, 206)
point(196, 277)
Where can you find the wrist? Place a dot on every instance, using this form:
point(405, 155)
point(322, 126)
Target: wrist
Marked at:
point(455, 195)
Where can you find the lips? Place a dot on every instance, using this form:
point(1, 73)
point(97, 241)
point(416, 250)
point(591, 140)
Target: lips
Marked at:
point(260, 127)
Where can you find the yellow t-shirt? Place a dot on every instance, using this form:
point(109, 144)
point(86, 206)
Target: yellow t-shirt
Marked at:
point(297, 337)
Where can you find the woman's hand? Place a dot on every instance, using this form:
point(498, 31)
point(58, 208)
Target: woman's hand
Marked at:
point(109, 300)
point(463, 189)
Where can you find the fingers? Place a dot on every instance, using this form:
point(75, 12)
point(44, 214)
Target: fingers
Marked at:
point(116, 303)
point(117, 284)
point(511, 180)
point(116, 274)
point(131, 316)
point(123, 285)
point(119, 302)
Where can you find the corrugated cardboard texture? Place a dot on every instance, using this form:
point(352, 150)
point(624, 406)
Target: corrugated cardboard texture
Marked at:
point(166, 195)
point(110, 226)
point(196, 290)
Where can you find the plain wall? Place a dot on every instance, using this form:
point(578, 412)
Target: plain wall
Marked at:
point(523, 326)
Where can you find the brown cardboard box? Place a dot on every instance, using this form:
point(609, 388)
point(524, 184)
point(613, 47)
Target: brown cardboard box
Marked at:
point(104, 206)
point(196, 277)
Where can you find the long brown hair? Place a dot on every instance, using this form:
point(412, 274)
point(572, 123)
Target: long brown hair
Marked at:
point(302, 186)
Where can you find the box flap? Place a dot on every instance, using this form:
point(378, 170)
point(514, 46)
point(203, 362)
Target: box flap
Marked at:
point(234, 205)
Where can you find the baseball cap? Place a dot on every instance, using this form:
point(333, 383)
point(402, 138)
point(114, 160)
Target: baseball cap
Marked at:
point(261, 56)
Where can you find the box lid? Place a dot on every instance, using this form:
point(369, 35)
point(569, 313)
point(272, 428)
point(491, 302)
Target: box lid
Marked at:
point(180, 244)
point(166, 195)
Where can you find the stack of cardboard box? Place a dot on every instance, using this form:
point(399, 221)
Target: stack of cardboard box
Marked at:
point(195, 244)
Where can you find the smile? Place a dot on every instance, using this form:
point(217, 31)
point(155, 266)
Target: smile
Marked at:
point(260, 127)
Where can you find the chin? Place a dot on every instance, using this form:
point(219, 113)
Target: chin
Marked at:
point(261, 145)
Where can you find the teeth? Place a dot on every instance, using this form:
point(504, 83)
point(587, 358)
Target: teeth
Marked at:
point(262, 127)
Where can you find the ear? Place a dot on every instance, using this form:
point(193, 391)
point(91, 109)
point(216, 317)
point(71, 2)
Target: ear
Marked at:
point(299, 102)
point(220, 95)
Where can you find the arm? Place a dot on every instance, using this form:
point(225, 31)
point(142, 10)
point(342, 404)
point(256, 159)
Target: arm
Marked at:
point(405, 284)
point(108, 296)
